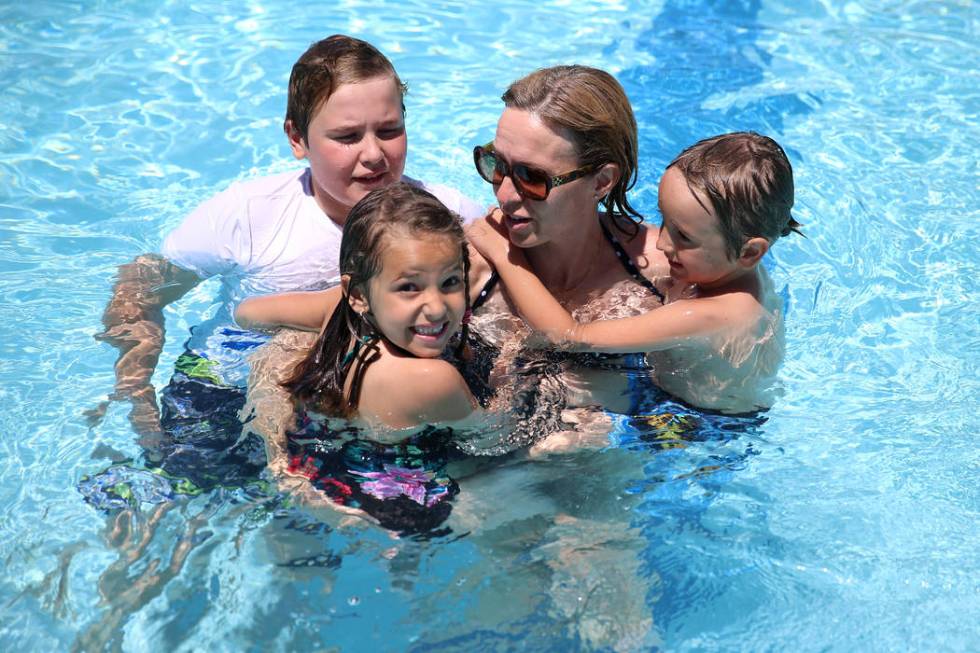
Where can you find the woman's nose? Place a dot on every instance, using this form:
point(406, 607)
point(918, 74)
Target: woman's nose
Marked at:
point(506, 193)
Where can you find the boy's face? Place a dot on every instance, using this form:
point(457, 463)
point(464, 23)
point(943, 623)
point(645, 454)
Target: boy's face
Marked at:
point(355, 144)
point(690, 237)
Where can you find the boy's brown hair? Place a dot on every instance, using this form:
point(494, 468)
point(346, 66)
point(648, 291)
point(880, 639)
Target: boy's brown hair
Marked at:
point(749, 182)
point(327, 64)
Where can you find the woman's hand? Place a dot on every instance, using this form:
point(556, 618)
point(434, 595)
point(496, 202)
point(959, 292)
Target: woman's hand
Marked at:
point(489, 236)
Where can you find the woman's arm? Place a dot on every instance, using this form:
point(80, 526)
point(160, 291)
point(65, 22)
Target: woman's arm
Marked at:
point(299, 310)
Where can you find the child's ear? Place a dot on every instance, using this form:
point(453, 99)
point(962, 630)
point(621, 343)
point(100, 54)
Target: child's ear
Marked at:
point(296, 141)
point(752, 251)
point(355, 296)
point(606, 178)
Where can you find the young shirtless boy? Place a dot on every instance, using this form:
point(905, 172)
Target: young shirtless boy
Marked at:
point(718, 340)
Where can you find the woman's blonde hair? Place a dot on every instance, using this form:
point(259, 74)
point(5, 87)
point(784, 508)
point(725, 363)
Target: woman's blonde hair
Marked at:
point(593, 108)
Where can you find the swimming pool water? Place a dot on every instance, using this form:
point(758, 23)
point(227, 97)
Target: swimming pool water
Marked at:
point(846, 521)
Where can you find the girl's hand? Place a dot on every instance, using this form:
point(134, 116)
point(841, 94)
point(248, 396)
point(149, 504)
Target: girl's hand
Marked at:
point(489, 236)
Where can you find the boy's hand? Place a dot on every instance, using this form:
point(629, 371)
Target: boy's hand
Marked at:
point(489, 236)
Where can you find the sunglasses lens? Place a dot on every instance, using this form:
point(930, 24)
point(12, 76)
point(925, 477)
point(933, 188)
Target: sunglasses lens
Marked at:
point(486, 165)
point(532, 183)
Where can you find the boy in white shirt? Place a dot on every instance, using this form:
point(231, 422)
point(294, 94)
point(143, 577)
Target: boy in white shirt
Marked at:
point(345, 116)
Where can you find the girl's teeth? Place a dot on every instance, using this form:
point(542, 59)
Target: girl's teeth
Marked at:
point(428, 331)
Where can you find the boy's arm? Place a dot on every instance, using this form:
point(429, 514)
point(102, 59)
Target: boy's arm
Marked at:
point(200, 247)
point(659, 329)
point(134, 325)
point(298, 310)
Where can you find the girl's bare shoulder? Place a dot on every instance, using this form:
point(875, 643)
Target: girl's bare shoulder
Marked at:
point(410, 391)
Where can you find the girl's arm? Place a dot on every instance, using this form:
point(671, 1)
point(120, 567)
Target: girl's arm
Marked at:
point(299, 310)
point(659, 329)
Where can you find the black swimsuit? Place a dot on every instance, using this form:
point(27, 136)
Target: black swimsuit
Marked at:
point(404, 486)
point(628, 264)
point(621, 254)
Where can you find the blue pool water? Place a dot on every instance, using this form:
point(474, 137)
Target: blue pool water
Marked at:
point(847, 520)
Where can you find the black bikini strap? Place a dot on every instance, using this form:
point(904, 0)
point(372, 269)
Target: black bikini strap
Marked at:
point(628, 264)
point(488, 287)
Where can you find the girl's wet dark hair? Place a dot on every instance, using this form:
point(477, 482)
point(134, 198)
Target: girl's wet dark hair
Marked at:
point(748, 180)
point(349, 341)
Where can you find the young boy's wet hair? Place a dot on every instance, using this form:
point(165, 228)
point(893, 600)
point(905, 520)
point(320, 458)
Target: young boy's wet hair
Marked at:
point(395, 212)
point(327, 64)
point(749, 182)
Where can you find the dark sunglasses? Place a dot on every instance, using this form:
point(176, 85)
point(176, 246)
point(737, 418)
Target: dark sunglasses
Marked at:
point(531, 183)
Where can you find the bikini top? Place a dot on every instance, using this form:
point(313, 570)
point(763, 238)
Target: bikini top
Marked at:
point(628, 264)
point(621, 254)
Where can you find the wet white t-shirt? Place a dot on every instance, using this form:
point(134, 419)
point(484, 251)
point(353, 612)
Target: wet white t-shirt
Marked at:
point(269, 235)
point(262, 236)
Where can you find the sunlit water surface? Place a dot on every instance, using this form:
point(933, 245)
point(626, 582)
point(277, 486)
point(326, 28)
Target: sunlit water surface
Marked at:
point(843, 519)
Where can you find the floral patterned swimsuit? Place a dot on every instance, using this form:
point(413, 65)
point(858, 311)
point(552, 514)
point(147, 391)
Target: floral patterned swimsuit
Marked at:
point(404, 486)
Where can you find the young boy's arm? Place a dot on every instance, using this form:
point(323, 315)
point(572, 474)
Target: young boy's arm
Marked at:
point(659, 329)
point(299, 310)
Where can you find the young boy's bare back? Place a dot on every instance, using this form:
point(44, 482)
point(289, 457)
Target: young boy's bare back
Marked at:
point(732, 370)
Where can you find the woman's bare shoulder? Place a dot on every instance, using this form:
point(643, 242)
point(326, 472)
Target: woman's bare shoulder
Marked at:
point(641, 247)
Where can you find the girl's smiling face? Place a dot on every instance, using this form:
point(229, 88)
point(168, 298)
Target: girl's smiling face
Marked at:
point(418, 298)
point(690, 237)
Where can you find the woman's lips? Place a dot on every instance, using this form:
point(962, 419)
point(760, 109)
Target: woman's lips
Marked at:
point(516, 223)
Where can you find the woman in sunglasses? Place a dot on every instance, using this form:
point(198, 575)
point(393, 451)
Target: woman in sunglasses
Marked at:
point(561, 163)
